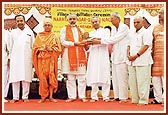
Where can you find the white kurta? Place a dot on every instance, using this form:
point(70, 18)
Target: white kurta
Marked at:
point(120, 40)
point(65, 67)
point(98, 69)
point(140, 68)
point(21, 43)
point(5, 62)
point(5, 47)
point(137, 40)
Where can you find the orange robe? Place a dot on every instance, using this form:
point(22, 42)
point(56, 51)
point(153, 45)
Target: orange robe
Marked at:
point(158, 51)
point(46, 61)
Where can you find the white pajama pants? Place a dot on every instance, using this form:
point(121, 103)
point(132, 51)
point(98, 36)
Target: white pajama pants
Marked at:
point(105, 90)
point(157, 82)
point(72, 89)
point(6, 80)
point(16, 89)
point(120, 80)
point(139, 81)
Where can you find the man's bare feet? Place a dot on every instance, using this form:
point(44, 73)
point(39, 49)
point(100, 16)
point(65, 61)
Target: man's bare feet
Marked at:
point(123, 101)
point(13, 101)
point(42, 100)
point(53, 100)
point(25, 100)
point(84, 100)
point(70, 100)
point(107, 100)
point(93, 100)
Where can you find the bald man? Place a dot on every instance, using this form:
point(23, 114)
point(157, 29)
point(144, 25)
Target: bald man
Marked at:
point(46, 50)
point(139, 65)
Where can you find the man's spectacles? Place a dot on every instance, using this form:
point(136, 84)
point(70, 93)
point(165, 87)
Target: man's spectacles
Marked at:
point(137, 22)
point(47, 25)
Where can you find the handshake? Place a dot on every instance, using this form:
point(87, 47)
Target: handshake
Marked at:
point(86, 40)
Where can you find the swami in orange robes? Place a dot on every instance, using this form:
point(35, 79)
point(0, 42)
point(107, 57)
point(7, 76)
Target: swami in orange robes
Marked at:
point(46, 50)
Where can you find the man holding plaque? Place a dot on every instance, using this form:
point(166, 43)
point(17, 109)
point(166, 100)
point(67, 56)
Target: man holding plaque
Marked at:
point(73, 59)
point(98, 69)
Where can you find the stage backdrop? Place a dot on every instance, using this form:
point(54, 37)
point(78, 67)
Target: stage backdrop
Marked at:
point(37, 11)
point(59, 16)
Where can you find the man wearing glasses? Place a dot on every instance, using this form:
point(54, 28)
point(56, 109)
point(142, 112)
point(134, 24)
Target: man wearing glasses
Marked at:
point(46, 50)
point(139, 65)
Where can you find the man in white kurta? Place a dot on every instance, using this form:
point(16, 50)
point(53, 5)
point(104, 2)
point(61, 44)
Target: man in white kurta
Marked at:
point(98, 68)
point(21, 42)
point(140, 60)
point(80, 69)
point(5, 63)
point(119, 39)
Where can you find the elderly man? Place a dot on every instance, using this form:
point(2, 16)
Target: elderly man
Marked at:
point(20, 53)
point(158, 57)
point(73, 59)
point(46, 50)
point(140, 60)
point(98, 69)
point(119, 37)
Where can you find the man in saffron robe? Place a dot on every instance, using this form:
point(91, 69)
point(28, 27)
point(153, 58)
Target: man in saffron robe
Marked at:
point(158, 57)
point(46, 50)
point(73, 59)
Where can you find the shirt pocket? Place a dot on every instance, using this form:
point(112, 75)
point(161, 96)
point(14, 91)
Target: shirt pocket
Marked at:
point(139, 41)
point(28, 40)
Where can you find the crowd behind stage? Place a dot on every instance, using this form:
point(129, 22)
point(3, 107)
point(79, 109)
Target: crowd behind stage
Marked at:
point(131, 59)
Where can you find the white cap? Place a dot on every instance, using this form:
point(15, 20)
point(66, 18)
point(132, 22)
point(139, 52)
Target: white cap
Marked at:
point(47, 20)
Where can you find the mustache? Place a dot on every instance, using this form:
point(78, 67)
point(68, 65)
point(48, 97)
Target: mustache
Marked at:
point(20, 24)
point(72, 22)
